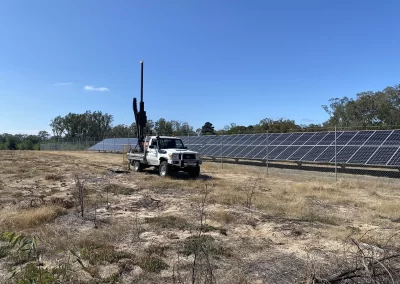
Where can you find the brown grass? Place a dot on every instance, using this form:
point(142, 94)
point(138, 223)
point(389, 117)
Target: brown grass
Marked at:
point(29, 218)
point(307, 215)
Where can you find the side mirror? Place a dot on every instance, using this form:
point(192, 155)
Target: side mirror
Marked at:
point(151, 147)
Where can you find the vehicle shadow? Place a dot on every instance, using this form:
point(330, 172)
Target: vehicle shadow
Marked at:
point(180, 175)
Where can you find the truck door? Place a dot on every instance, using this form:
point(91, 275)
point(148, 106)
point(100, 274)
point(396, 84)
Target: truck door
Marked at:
point(152, 152)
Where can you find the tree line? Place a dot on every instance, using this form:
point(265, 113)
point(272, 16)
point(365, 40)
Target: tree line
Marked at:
point(374, 110)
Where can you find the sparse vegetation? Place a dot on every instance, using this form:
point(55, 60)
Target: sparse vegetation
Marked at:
point(239, 220)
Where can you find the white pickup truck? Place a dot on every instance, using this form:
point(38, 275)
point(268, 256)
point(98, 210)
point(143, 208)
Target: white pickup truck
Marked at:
point(167, 154)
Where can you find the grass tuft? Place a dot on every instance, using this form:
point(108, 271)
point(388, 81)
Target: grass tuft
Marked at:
point(170, 222)
point(29, 218)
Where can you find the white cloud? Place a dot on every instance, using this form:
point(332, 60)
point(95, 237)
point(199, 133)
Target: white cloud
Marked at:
point(91, 88)
point(63, 84)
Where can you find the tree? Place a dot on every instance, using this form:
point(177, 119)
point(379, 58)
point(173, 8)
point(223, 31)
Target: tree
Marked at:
point(11, 142)
point(207, 129)
point(121, 131)
point(377, 109)
point(57, 126)
point(44, 135)
point(163, 127)
point(88, 125)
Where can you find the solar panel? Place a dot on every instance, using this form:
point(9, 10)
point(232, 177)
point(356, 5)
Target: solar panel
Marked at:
point(270, 138)
point(393, 139)
point(327, 154)
point(362, 155)
point(114, 144)
point(345, 138)
point(239, 152)
point(344, 154)
point(319, 136)
point(286, 153)
point(395, 159)
point(376, 147)
point(262, 153)
point(300, 153)
point(381, 156)
point(360, 138)
point(378, 137)
point(279, 138)
point(254, 151)
point(314, 154)
point(275, 152)
point(329, 138)
point(258, 139)
point(290, 138)
point(303, 138)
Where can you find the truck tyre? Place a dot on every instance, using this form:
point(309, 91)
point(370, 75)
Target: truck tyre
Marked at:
point(164, 169)
point(194, 172)
point(137, 166)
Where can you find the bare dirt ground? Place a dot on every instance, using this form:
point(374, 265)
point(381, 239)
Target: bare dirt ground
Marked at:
point(235, 224)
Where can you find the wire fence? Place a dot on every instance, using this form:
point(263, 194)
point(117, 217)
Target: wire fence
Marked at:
point(338, 151)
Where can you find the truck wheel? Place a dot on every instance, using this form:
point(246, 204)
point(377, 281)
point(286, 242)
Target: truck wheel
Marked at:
point(194, 172)
point(137, 166)
point(164, 169)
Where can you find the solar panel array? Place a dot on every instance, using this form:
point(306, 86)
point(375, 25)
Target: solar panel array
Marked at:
point(113, 144)
point(380, 147)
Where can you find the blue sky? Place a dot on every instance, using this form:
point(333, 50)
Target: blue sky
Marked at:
point(221, 61)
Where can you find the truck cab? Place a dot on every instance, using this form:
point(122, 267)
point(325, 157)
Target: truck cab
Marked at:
point(168, 154)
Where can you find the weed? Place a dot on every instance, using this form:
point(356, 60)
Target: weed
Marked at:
point(152, 264)
point(54, 177)
point(119, 189)
point(156, 249)
point(97, 253)
point(170, 222)
point(4, 251)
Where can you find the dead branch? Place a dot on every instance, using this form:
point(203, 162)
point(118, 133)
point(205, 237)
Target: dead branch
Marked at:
point(353, 273)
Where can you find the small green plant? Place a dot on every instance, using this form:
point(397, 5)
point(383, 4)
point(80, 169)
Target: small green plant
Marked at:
point(151, 263)
point(170, 222)
point(24, 249)
point(97, 253)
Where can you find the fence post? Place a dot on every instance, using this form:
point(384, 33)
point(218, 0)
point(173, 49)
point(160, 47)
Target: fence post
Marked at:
point(267, 151)
point(335, 155)
point(222, 164)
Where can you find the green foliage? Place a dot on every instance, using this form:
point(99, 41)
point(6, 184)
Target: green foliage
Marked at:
point(193, 244)
point(204, 244)
point(97, 253)
point(23, 250)
point(152, 264)
point(173, 127)
point(207, 129)
point(169, 222)
point(279, 126)
point(369, 109)
point(19, 142)
point(35, 274)
point(88, 125)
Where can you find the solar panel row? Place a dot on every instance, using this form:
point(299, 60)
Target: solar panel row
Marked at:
point(113, 144)
point(379, 147)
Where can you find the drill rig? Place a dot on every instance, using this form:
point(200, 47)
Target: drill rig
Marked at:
point(140, 116)
point(165, 153)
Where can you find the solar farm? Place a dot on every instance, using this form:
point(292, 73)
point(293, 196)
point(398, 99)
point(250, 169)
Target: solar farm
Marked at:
point(378, 148)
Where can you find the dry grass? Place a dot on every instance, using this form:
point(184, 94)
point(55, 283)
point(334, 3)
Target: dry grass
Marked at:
point(29, 218)
point(145, 224)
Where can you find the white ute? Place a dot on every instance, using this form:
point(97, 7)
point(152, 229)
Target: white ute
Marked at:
point(167, 154)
